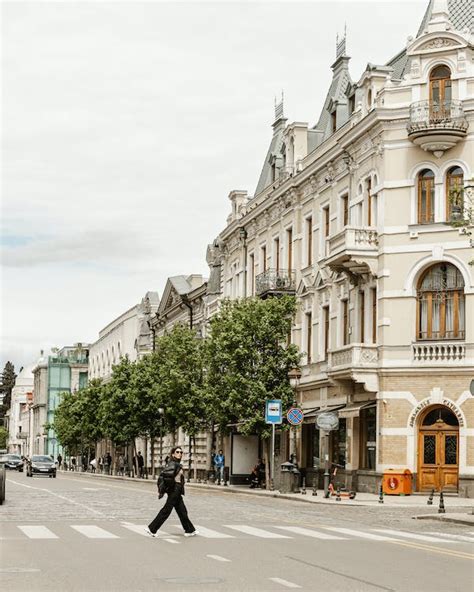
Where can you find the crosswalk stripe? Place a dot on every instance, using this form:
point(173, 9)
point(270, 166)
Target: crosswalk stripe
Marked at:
point(172, 541)
point(140, 529)
point(38, 532)
point(208, 533)
point(311, 533)
point(285, 583)
point(94, 532)
point(411, 535)
point(457, 537)
point(258, 532)
point(359, 533)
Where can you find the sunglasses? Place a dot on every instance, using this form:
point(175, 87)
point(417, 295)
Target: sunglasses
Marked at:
point(178, 452)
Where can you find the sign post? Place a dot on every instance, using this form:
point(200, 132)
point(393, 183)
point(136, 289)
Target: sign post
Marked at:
point(295, 417)
point(273, 416)
point(327, 422)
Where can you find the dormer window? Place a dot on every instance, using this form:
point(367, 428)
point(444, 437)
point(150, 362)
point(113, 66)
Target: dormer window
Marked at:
point(351, 104)
point(333, 121)
point(369, 99)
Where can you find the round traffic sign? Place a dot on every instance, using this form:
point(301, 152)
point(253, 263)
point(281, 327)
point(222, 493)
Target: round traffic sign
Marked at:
point(295, 416)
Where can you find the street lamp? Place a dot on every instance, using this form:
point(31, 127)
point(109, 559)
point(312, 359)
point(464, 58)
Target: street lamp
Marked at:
point(161, 412)
point(294, 376)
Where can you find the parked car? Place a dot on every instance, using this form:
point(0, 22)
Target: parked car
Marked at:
point(41, 465)
point(12, 462)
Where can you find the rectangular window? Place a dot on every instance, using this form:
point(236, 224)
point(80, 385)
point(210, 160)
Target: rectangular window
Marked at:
point(345, 322)
point(326, 221)
point(334, 121)
point(309, 240)
point(374, 314)
point(345, 210)
point(252, 273)
point(289, 247)
point(369, 202)
point(309, 336)
point(338, 444)
point(368, 437)
point(326, 331)
point(263, 255)
point(276, 254)
point(362, 316)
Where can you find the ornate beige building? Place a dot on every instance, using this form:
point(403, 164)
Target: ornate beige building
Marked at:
point(353, 216)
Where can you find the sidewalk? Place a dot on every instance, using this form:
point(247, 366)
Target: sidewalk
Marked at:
point(458, 509)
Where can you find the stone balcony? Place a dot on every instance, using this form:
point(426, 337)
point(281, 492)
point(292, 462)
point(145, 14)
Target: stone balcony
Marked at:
point(357, 362)
point(353, 250)
point(275, 282)
point(437, 126)
point(438, 353)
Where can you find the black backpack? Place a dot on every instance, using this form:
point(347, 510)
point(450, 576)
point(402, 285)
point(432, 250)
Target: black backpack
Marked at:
point(166, 479)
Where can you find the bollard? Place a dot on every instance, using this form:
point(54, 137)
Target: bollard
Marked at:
point(381, 494)
point(303, 488)
point(315, 486)
point(441, 509)
point(338, 494)
point(430, 499)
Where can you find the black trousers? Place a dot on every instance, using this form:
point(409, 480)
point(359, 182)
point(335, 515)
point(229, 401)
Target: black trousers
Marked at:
point(175, 500)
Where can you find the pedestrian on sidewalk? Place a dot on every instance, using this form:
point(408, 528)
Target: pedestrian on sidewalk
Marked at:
point(140, 463)
point(93, 465)
point(121, 465)
point(73, 463)
point(219, 464)
point(60, 461)
point(171, 482)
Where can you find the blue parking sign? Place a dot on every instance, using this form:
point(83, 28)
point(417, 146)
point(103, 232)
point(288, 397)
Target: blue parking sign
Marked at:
point(273, 411)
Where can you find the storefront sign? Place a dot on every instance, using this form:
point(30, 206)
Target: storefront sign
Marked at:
point(428, 403)
point(327, 421)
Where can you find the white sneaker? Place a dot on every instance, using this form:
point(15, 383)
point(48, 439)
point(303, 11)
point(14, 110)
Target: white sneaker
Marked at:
point(149, 533)
point(190, 534)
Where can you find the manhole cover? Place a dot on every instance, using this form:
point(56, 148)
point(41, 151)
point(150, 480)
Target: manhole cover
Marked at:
point(191, 580)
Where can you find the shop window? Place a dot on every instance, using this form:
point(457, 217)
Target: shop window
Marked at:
point(338, 444)
point(440, 303)
point(312, 448)
point(368, 436)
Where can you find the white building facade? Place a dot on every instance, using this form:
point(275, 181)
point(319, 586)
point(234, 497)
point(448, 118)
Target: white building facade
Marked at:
point(354, 216)
point(18, 423)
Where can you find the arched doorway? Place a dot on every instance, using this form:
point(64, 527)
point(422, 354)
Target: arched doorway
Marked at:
point(438, 450)
point(440, 92)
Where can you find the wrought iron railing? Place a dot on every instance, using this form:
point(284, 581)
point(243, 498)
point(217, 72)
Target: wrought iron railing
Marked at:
point(447, 113)
point(275, 280)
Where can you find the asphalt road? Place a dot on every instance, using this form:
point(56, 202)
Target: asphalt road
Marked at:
point(84, 534)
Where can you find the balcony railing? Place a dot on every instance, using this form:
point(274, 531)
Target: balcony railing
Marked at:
point(353, 249)
point(275, 280)
point(440, 352)
point(437, 126)
point(354, 356)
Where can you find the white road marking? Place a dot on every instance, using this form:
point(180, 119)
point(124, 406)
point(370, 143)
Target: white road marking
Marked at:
point(285, 583)
point(208, 533)
point(38, 532)
point(311, 533)
point(140, 529)
point(457, 537)
point(258, 532)
point(94, 532)
point(359, 533)
point(173, 541)
point(217, 558)
point(411, 535)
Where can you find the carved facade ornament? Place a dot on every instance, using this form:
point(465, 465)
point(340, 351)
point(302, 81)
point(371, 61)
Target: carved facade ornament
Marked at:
point(377, 144)
point(438, 43)
point(330, 173)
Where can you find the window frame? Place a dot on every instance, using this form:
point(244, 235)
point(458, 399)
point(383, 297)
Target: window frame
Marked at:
point(427, 184)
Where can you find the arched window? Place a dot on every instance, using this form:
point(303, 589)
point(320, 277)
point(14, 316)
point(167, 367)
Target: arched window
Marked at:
point(426, 196)
point(440, 303)
point(454, 185)
point(440, 92)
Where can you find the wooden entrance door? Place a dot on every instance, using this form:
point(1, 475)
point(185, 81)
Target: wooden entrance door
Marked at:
point(438, 454)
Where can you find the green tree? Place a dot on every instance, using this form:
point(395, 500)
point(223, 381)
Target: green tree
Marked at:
point(6, 386)
point(248, 358)
point(3, 437)
point(67, 421)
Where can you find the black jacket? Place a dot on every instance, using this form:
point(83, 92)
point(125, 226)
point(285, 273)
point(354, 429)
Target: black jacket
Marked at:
point(167, 479)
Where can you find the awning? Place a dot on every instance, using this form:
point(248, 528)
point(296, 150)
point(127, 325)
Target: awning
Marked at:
point(311, 415)
point(354, 409)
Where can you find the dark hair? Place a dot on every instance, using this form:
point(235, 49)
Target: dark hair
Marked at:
point(175, 448)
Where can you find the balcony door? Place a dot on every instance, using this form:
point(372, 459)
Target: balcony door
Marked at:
point(440, 93)
point(438, 451)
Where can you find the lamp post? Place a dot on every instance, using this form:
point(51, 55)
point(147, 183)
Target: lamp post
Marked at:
point(243, 239)
point(294, 376)
point(161, 411)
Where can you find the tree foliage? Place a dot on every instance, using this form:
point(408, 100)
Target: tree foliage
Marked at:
point(248, 358)
point(6, 386)
point(3, 437)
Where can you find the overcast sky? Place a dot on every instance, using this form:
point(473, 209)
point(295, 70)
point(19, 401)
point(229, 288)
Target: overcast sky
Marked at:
point(125, 127)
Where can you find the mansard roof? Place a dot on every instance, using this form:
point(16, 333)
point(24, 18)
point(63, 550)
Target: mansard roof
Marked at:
point(274, 150)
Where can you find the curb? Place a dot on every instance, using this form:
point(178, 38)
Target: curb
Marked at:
point(444, 518)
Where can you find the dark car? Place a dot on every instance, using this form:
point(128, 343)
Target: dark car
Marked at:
point(41, 465)
point(13, 462)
